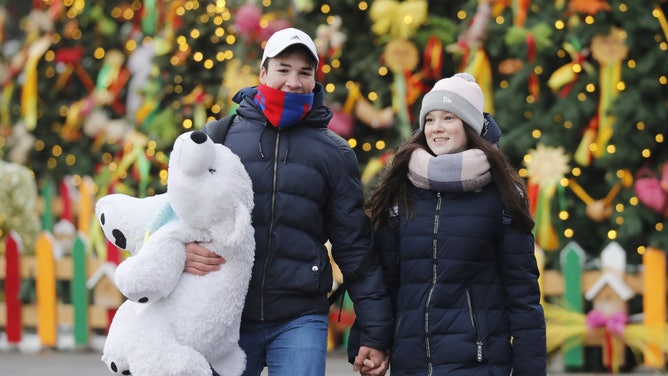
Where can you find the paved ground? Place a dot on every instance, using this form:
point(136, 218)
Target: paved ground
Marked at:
point(87, 363)
point(30, 359)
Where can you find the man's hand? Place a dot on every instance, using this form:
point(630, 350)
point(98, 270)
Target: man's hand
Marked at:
point(371, 362)
point(201, 261)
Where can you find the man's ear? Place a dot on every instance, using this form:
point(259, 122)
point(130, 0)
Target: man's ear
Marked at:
point(263, 75)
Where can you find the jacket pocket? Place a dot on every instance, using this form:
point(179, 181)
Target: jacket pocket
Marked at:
point(479, 344)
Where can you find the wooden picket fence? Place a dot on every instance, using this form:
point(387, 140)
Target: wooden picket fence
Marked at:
point(93, 297)
point(608, 289)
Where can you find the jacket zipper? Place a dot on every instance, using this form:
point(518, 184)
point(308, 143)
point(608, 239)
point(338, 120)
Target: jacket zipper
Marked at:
point(271, 225)
point(434, 255)
point(474, 323)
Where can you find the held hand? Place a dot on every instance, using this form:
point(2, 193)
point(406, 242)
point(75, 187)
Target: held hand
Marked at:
point(371, 362)
point(200, 260)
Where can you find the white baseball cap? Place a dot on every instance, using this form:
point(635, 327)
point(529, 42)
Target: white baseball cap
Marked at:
point(285, 38)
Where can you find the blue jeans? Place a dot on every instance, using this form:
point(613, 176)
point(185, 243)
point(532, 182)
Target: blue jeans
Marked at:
point(289, 348)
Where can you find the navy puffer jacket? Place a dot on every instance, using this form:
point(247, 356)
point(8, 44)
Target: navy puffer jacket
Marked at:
point(307, 190)
point(464, 281)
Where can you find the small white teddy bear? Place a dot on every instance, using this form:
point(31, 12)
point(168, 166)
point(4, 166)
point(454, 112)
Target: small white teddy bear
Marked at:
point(176, 323)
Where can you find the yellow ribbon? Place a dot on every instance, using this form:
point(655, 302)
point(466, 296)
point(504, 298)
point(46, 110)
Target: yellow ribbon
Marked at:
point(662, 20)
point(29, 89)
point(546, 235)
point(480, 68)
point(7, 91)
point(609, 76)
point(354, 95)
point(398, 19)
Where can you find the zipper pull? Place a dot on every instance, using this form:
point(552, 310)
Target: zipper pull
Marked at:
point(478, 353)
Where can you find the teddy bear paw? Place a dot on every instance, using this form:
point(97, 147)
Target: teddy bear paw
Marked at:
point(144, 296)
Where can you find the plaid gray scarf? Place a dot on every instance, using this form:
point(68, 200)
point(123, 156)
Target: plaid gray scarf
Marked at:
point(459, 172)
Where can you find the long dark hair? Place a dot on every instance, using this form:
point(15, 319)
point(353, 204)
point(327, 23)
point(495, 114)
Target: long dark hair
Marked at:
point(392, 187)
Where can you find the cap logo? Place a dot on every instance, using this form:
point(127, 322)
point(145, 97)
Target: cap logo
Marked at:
point(447, 99)
point(295, 37)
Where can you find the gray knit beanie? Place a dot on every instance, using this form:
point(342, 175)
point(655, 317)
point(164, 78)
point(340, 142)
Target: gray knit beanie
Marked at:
point(461, 96)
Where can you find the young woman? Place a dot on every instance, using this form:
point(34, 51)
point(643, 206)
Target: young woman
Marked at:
point(453, 231)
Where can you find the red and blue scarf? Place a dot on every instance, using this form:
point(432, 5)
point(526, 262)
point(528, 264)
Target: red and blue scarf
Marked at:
point(281, 108)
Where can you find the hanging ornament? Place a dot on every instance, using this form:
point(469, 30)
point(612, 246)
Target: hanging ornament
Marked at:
point(474, 59)
point(402, 57)
point(651, 190)
point(199, 100)
point(609, 50)
point(365, 111)
point(563, 79)
point(303, 6)
point(597, 210)
point(236, 77)
point(545, 169)
point(374, 166)
point(378, 118)
point(69, 58)
point(29, 89)
point(536, 39)
point(247, 21)
point(661, 16)
point(149, 17)
point(520, 9)
point(510, 66)
point(329, 42)
point(588, 6)
point(397, 19)
point(341, 123)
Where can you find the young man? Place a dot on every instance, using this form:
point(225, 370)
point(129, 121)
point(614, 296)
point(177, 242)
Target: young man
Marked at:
point(307, 191)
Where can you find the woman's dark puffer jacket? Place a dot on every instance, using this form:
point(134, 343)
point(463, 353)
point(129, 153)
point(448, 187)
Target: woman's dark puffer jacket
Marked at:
point(307, 190)
point(464, 282)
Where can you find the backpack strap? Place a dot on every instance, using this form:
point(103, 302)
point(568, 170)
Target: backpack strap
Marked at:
point(217, 129)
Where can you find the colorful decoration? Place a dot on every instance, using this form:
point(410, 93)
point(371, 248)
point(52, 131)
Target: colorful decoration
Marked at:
point(652, 191)
point(608, 323)
point(18, 204)
point(397, 19)
point(536, 39)
point(597, 210)
point(609, 50)
point(474, 59)
point(588, 6)
point(365, 111)
point(329, 41)
point(29, 88)
point(341, 123)
point(247, 20)
point(563, 79)
point(546, 166)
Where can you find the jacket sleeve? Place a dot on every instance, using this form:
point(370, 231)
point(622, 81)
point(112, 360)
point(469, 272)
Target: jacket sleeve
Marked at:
point(386, 249)
point(348, 229)
point(520, 273)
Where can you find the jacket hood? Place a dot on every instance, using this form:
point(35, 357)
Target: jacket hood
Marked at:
point(318, 117)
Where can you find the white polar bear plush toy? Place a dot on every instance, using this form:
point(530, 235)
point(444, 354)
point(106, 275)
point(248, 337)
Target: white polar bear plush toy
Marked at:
point(176, 323)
